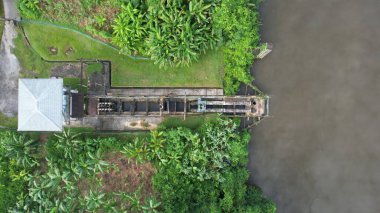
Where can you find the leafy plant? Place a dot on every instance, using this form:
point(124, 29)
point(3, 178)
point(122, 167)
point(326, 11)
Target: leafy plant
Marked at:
point(237, 21)
point(129, 30)
point(100, 20)
point(151, 206)
point(68, 143)
point(29, 8)
point(178, 34)
point(20, 148)
point(93, 201)
point(138, 150)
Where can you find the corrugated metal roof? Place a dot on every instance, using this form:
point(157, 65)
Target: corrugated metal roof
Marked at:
point(40, 105)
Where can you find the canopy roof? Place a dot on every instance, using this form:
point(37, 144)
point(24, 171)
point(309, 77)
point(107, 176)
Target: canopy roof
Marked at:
point(40, 105)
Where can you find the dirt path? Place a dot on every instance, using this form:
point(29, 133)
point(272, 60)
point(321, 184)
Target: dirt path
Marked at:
point(320, 151)
point(9, 65)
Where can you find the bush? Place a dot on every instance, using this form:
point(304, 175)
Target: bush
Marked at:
point(29, 8)
point(237, 21)
point(13, 174)
point(130, 30)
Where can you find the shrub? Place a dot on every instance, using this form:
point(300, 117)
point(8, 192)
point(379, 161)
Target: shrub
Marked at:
point(29, 8)
point(237, 21)
point(130, 30)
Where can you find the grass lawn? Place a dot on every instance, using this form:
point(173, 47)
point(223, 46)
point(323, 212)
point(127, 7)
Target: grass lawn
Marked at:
point(74, 83)
point(30, 60)
point(8, 122)
point(126, 72)
point(192, 122)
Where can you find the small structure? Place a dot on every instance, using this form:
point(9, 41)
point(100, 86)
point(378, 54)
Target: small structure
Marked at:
point(76, 105)
point(40, 105)
point(264, 49)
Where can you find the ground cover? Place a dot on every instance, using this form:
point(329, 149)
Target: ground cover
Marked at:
point(30, 61)
point(8, 122)
point(74, 83)
point(191, 122)
point(126, 72)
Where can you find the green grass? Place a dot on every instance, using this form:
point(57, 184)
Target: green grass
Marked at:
point(8, 122)
point(94, 67)
point(191, 122)
point(126, 72)
point(74, 83)
point(30, 60)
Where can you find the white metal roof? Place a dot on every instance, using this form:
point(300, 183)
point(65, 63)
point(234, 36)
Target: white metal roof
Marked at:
point(40, 105)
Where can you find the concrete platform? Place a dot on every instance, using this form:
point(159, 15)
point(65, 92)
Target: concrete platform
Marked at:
point(118, 123)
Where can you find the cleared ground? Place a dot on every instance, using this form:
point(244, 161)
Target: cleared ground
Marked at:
point(320, 150)
point(126, 72)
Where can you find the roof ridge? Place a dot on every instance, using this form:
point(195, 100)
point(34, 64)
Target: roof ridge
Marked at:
point(47, 118)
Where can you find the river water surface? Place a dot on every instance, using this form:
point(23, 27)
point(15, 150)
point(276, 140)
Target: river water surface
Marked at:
point(320, 149)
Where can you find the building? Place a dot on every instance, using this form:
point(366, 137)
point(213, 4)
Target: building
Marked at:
point(40, 105)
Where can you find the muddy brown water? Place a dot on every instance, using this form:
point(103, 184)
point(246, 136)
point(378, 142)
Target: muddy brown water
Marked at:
point(320, 150)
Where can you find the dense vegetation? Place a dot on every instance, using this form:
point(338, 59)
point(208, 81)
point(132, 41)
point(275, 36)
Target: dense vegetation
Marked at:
point(172, 33)
point(238, 22)
point(200, 170)
point(203, 170)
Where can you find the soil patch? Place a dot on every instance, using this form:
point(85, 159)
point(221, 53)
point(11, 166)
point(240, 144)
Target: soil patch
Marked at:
point(53, 50)
point(128, 176)
point(66, 71)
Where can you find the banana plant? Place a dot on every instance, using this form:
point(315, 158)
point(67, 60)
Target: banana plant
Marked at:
point(96, 164)
point(130, 29)
point(137, 150)
point(150, 206)
point(94, 201)
point(20, 148)
point(156, 144)
point(68, 143)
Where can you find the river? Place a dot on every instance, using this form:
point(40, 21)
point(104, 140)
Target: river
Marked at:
point(320, 149)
